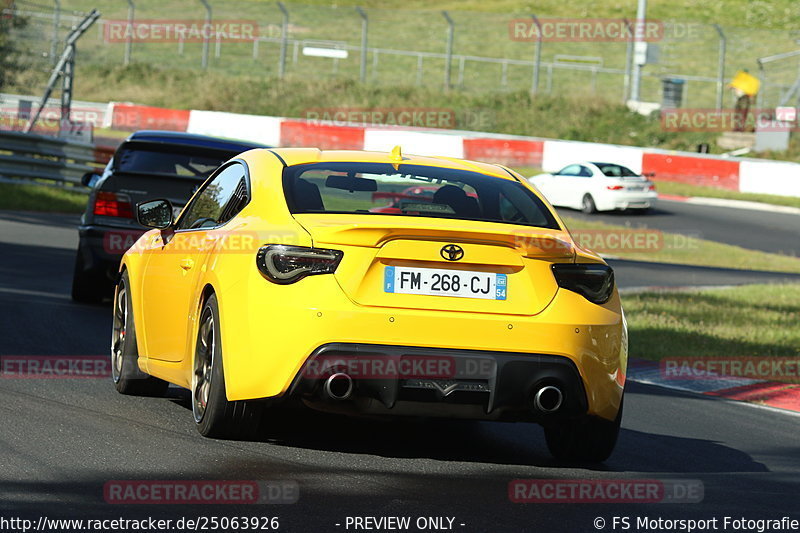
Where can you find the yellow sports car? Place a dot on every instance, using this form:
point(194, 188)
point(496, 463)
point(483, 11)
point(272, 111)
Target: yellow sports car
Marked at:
point(286, 281)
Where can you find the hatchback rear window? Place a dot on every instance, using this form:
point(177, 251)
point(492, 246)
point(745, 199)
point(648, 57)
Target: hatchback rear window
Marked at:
point(412, 190)
point(141, 158)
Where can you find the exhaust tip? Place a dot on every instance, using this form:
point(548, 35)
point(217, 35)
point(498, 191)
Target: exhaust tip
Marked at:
point(548, 399)
point(339, 386)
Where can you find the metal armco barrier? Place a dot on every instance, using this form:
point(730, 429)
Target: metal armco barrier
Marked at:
point(25, 157)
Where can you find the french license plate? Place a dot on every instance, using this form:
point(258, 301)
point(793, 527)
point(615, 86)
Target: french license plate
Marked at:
point(443, 282)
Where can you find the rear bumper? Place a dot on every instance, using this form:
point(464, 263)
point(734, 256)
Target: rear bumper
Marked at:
point(269, 333)
point(463, 384)
point(101, 249)
point(638, 200)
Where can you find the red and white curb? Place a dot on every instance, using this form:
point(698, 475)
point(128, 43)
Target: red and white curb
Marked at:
point(770, 393)
point(738, 174)
point(733, 173)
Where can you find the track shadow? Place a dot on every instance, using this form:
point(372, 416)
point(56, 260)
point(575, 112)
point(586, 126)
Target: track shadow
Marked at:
point(497, 443)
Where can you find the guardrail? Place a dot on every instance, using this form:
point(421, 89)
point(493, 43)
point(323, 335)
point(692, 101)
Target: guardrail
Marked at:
point(44, 160)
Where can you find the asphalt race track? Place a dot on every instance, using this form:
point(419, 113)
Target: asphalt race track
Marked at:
point(756, 230)
point(63, 439)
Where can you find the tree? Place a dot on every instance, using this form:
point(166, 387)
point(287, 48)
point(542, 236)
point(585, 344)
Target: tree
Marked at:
point(10, 22)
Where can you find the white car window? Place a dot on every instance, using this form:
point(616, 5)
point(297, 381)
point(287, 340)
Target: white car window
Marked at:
point(570, 170)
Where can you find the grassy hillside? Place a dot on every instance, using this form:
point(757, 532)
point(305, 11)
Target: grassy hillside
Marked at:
point(482, 41)
point(775, 14)
point(487, 96)
point(514, 112)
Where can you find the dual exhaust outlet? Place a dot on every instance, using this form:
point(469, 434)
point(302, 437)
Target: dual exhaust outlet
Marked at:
point(339, 387)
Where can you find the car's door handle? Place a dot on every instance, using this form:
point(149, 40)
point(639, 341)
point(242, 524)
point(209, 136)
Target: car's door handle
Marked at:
point(187, 263)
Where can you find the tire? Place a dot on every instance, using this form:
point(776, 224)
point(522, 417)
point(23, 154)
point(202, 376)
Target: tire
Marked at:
point(587, 205)
point(588, 439)
point(125, 373)
point(214, 415)
point(86, 288)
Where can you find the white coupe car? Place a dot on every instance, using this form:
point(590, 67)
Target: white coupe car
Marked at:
point(593, 187)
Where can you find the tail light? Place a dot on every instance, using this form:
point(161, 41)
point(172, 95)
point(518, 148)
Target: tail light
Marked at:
point(112, 204)
point(288, 264)
point(615, 187)
point(652, 187)
point(593, 281)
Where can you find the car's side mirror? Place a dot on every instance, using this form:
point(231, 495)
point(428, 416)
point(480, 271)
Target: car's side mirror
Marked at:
point(154, 213)
point(89, 179)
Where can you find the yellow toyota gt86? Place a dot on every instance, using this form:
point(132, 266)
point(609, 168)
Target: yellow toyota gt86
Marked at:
point(304, 277)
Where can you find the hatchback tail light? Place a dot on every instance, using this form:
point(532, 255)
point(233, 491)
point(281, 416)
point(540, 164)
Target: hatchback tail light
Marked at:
point(111, 204)
point(593, 281)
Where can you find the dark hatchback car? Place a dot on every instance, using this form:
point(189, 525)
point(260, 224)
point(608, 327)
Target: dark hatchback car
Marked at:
point(147, 165)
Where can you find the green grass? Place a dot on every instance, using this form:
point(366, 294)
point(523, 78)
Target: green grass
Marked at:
point(755, 320)
point(571, 105)
point(683, 249)
point(36, 198)
point(510, 112)
point(683, 189)
point(514, 112)
point(776, 14)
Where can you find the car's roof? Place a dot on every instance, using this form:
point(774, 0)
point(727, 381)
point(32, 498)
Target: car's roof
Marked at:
point(299, 156)
point(192, 139)
point(597, 164)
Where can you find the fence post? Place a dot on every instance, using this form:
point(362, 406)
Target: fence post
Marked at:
point(129, 39)
point(364, 30)
point(449, 53)
point(641, 13)
point(538, 57)
point(206, 5)
point(723, 45)
point(284, 39)
point(626, 83)
point(56, 22)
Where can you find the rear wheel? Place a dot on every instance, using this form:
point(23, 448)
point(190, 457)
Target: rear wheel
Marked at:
point(214, 415)
point(86, 288)
point(125, 373)
point(587, 439)
point(587, 205)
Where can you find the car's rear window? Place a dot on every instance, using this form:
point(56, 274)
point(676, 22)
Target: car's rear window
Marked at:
point(190, 162)
point(412, 190)
point(615, 171)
